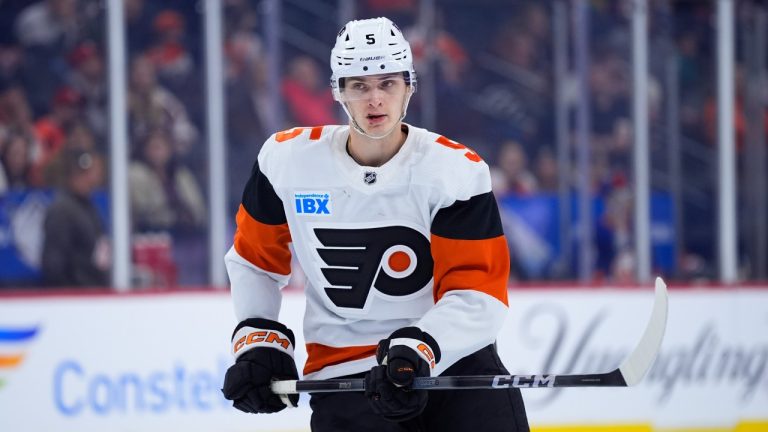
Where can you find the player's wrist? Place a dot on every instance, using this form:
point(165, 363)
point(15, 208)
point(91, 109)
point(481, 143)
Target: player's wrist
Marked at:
point(406, 340)
point(262, 333)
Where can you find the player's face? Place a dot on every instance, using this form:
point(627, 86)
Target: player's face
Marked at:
point(376, 101)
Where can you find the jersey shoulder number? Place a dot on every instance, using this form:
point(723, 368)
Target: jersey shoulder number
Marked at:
point(468, 152)
point(314, 133)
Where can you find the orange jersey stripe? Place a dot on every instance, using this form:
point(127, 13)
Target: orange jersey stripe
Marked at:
point(480, 265)
point(8, 361)
point(263, 245)
point(320, 356)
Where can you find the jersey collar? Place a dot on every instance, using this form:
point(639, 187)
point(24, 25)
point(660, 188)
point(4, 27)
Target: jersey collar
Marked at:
point(366, 178)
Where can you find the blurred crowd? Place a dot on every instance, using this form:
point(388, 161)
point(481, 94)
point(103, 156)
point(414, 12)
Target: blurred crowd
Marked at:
point(54, 113)
point(494, 90)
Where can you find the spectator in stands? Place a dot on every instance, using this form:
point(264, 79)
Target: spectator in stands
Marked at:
point(48, 23)
point(76, 250)
point(536, 20)
point(546, 171)
point(165, 197)
point(15, 112)
point(530, 254)
point(138, 25)
point(694, 69)
point(151, 106)
point(164, 193)
point(307, 95)
point(614, 239)
point(611, 117)
point(248, 117)
point(243, 50)
point(79, 137)
point(514, 164)
point(740, 119)
point(248, 112)
point(11, 60)
point(15, 161)
point(243, 47)
point(51, 129)
point(89, 80)
point(170, 55)
point(139, 15)
point(47, 30)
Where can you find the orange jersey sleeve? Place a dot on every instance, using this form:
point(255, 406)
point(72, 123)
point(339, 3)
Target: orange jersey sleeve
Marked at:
point(469, 248)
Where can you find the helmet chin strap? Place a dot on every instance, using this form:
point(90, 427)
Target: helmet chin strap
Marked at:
point(360, 130)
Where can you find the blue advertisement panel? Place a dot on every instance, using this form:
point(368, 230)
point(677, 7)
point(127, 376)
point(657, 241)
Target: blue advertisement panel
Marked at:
point(22, 215)
point(531, 224)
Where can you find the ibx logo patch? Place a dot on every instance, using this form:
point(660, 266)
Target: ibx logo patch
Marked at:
point(312, 203)
point(13, 342)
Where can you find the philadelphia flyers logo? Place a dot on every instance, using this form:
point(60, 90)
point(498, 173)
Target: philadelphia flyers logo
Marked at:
point(395, 261)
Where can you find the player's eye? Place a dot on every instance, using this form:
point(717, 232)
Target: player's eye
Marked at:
point(358, 86)
point(387, 84)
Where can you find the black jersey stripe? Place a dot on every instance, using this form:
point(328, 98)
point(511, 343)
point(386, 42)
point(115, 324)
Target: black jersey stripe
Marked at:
point(474, 219)
point(261, 201)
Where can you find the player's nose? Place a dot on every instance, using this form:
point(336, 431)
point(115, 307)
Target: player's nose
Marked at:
point(376, 97)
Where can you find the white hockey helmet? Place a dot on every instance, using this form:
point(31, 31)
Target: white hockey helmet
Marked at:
point(370, 47)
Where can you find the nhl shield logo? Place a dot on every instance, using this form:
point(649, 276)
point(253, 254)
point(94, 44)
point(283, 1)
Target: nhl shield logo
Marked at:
point(369, 177)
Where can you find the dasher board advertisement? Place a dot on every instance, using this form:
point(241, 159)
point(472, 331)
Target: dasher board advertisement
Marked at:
point(156, 362)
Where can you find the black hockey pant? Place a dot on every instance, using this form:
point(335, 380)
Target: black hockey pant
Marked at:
point(446, 411)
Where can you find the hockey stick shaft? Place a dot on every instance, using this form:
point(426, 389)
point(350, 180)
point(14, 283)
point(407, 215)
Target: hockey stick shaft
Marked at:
point(629, 373)
point(610, 379)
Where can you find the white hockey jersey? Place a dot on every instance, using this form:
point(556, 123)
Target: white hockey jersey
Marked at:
point(416, 241)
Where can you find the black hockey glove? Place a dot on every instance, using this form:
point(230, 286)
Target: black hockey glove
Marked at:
point(406, 354)
point(263, 351)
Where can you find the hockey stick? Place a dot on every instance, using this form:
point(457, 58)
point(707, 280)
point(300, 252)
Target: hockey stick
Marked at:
point(629, 373)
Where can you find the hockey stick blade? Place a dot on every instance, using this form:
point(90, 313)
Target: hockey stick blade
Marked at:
point(629, 373)
point(638, 362)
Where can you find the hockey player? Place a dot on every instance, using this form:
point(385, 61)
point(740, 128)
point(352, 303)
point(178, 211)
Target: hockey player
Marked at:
point(399, 236)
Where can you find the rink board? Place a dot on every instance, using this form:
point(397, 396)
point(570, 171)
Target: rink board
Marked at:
point(156, 362)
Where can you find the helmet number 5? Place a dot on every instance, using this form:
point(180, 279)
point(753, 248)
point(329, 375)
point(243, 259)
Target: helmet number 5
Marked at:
point(370, 40)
